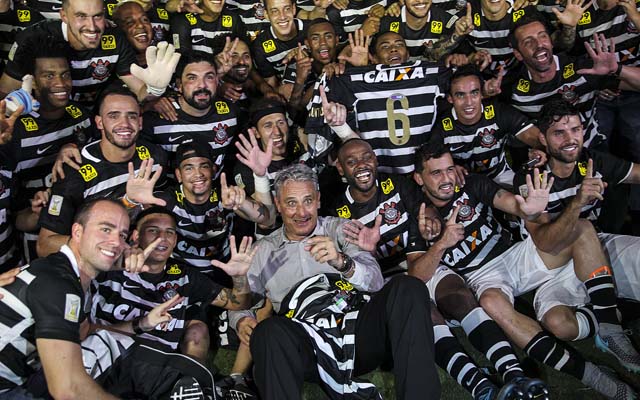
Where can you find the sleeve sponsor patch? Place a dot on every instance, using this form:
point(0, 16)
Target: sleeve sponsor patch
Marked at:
point(72, 307)
point(55, 205)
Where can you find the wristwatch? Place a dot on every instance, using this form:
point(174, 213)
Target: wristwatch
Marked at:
point(347, 263)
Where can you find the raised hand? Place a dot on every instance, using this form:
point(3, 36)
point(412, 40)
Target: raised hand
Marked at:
point(464, 25)
point(366, 238)
point(140, 186)
point(481, 58)
point(224, 59)
point(394, 10)
point(453, 231)
point(159, 315)
point(68, 154)
point(335, 114)
point(251, 155)
point(538, 154)
point(591, 188)
point(573, 11)
point(135, 258)
point(428, 225)
point(7, 123)
point(232, 196)
point(359, 45)
point(537, 194)
point(240, 260)
point(161, 62)
point(492, 87)
point(604, 57)
point(303, 65)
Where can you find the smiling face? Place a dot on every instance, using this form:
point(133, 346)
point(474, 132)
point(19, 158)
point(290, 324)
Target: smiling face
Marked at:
point(195, 175)
point(418, 8)
point(119, 120)
point(391, 49)
point(437, 179)
point(242, 63)
point(298, 203)
point(135, 23)
point(281, 14)
point(534, 47)
point(52, 82)
point(322, 42)
point(198, 84)
point(494, 7)
point(466, 97)
point(85, 23)
point(564, 139)
point(212, 7)
point(358, 164)
point(150, 228)
point(274, 126)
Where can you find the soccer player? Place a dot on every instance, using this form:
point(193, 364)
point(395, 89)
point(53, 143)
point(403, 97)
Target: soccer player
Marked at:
point(15, 17)
point(134, 22)
point(235, 85)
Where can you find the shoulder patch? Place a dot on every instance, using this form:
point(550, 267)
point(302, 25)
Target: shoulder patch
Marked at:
point(24, 15)
point(344, 212)
point(447, 124)
point(162, 13)
point(394, 27)
point(143, 152)
point(174, 270)
point(12, 51)
point(239, 182)
point(222, 107)
point(517, 15)
point(108, 42)
point(568, 71)
point(585, 19)
point(387, 186)
point(489, 112)
point(582, 168)
point(88, 172)
point(227, 21)
point(29, 124)
point(72, 307)
point(74, 111)
point(524, 85)
point(110, 8)
point(436, 27)
point(476, 19)
point(269, 46)
point(191, 18)
point(55, 205)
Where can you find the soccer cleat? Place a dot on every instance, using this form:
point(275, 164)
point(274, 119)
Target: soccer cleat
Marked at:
point(486, 391)
point(240, 392)
point(616, 343)
point(606, 383)
point(524, 388)
point(187, 388)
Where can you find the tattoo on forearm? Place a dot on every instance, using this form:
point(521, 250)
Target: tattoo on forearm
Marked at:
point(500, 193)
point(442, 47)
point(241, 285)
point(262, 212)
point(223, 297)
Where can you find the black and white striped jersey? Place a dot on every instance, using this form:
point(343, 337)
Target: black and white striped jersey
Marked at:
point(396, 200)
point(529, 96)
point(9, 254)
point(439, 25)
point(395, 108)
point(50, 9)
point(44, 302)
point(218, 127)
point(481, 147)
point(96, 178)
point(13, 21)
point(609, 168)
point(119, 296)
point(614, 24)
point(91, 70)
point(485, 239)
point(268, 51)
point(252, 13)
point(353, 16)
point(203, 229)
point(191, 32)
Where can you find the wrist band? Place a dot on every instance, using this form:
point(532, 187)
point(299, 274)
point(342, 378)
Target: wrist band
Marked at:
point(135, 324)
point(154, 91)
point(129, 203)
point(343, 131)
point(261, 184)
point(618, 70)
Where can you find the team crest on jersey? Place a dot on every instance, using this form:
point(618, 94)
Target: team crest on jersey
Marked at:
point(72, 307)
point(476, 19)
point(524, 85)
point(259, 11)
point(88, 172)
point(269, 46)
point(344, 212)
point(517, 15)
point(436, 27)
point(390, 213)
point(465, 211)
point(568, 71)
point(488, 138)
point(100, 70)
point(55, 205)
point(73, 111)
point(191, 18)
point(162, 13)
point(174, 270)
point(568, 93)
point(387, 186)
point(222, 107)
point(24, 15)
point(585, 19)
point(447, 124)
point(582, 168)
point(169, 294)
point(221, 135)
point(489, 112)
point(394, 27)
point(143, 152)
point(108, 42)
point(29, 124)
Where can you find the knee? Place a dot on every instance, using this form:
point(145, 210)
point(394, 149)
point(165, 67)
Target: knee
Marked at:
point(457, 302)
point(495, 303)
point(410, 288)
point(196, 332)
point(267, 334)
point(561, 322)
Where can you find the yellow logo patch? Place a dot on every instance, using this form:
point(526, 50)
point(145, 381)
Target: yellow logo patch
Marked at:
point(174, 270)
point(489, 112)
point(108, 42)
point(162, 13)
point(582, 168)
point(524, 85)
point(289, 314)
point(191, 18)
point(344, 212)
point(517, 15)
point(585, 19)
point(214, 196)
point(436, 27)
point(143, 152)
point(476, 19)
point(110, 8)
point(387, 186)
point(568, 71)
point(227, 21)
point(73, 111)
point(447, 124)
point(88, 172)
point(456, 189)
point(29, 124)
point(269, 46)
point(344, 285)
point(24, 15)
point(394, 27)
point(222, 107)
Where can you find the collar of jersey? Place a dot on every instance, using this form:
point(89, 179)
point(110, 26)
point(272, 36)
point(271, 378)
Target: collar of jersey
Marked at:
point(299, 26)
point(66, 250)
point(64, 31)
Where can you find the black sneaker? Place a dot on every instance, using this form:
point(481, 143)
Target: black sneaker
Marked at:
point(241, 392)
point(187, 388)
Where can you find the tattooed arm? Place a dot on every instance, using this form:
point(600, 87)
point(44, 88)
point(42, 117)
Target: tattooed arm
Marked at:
point(442, 47)
point(256, 211)
point(238, 298)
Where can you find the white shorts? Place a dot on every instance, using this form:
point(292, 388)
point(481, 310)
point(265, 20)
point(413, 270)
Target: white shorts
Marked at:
point(440, 273)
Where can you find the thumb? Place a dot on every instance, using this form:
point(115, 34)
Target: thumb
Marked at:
point(27, 83)
point(137, 71)
point(158, 202)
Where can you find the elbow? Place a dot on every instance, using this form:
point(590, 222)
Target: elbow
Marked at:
point(65, 391)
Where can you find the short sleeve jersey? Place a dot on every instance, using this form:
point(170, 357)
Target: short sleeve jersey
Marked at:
point(268, 51)
point(191, 32)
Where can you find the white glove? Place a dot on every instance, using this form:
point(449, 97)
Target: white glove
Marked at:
point(161, 63)
point(22, 97)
